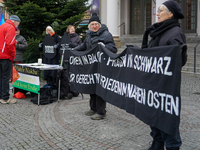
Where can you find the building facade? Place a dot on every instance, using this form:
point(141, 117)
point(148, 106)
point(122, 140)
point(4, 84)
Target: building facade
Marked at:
point(135, 16)
point(3, 10)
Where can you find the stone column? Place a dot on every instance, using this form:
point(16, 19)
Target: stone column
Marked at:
point(113, 17)
point(110, 10)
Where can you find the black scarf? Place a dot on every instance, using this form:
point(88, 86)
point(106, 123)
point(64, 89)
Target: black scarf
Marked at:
point(156, 31)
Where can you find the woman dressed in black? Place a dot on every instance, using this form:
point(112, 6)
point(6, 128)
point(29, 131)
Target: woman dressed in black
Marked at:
point(166, 31)
point(50, 75)
point(74, 37)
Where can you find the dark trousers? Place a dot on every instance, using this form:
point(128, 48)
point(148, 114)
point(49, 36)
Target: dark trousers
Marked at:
point(5, 73)
point(97, 104)
point(171, 141)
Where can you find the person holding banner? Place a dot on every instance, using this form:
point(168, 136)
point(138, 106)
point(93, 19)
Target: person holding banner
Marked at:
point(74, 38)
point(166, 31)
point(97, 34)
point(50, 55)
point(74, 42)
point(7, 55)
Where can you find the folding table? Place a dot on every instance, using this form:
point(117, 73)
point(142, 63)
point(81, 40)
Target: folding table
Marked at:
point(27, 77)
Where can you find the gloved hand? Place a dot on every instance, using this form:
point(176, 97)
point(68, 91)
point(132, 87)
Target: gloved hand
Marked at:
point(72, 45)
point(101, 44)
point(132, 46)
point(40, 45)
point(56, 46)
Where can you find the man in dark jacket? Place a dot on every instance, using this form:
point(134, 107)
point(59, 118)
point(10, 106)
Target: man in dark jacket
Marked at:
point(97, 34)
point(7, 55)
point(20, 47)
point(166, 31)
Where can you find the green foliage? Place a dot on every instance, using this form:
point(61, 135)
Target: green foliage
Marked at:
point(34, 20)
point(31, 54)
point(36, 15)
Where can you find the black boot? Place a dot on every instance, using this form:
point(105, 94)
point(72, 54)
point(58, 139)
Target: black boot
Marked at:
point(172, 149)
point(157, 145)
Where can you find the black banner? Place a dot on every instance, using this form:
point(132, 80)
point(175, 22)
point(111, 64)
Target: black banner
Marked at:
point(144, 82)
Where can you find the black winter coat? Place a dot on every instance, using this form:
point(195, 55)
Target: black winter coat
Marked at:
point(74, 40)
point(55, 60)
point(93, 38)
point(173, 36)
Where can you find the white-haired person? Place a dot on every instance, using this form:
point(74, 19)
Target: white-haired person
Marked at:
point(167, 31)
point(97, 34)
point(50, 75)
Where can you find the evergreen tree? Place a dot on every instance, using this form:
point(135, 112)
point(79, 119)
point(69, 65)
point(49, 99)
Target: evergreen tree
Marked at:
point(36, 15)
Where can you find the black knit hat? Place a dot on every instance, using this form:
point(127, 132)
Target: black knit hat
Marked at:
point(175, 8)
point(94, 18)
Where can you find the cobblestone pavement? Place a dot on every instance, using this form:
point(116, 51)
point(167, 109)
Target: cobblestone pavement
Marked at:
point(63, 125)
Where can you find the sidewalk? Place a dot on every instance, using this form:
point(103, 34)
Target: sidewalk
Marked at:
point(63, 125)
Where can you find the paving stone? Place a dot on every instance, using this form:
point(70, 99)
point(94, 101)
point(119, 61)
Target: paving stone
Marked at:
point(63, 125)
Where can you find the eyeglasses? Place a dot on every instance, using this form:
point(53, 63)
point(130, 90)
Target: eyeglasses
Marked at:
point(93, 24)
point(159, 11)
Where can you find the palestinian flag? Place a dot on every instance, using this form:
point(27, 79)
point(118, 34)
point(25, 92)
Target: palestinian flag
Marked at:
point(15, 75)
point(25, 78)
